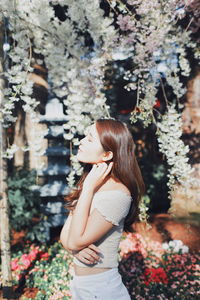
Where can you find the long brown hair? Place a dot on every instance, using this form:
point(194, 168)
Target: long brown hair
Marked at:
point(115, 136)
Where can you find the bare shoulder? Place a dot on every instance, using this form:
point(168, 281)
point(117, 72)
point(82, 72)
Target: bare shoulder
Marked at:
point(111, 185)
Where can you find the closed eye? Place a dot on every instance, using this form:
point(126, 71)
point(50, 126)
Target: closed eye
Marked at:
point(89, 138)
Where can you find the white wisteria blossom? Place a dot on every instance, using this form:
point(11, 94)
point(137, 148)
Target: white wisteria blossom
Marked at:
point(169, 132)
point(77, 77)
point(159, 59)
point(10, 151)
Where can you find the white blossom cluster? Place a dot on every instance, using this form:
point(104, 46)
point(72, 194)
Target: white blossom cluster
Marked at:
point(85, 101)
point(76, 170)
point(169, 132)
point(75, 72)
point(20, 85)
point(144, 109)
point(158, 45)
point(172, 60)
point(10, 151)
point(175, 246)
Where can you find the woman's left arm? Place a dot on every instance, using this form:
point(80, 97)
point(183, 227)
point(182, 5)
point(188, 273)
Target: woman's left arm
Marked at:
point(82, 231)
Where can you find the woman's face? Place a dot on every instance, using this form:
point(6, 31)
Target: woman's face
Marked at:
point(90, 149)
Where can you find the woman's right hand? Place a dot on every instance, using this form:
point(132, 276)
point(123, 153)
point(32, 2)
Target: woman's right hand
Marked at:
point(97, 175)
point(88, 255)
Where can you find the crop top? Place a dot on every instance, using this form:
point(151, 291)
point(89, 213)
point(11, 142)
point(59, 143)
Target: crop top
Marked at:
point(114, 205)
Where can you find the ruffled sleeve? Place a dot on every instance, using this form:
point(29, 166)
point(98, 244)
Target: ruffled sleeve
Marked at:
point(113, 205)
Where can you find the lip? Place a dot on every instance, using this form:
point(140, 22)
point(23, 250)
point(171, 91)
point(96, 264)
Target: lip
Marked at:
point(79, 149)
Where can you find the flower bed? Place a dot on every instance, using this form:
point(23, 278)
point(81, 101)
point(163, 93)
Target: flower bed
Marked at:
point(46, 272)
point(150, 270)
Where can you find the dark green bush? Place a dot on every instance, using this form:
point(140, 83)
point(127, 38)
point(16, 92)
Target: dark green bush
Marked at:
point(24, 203)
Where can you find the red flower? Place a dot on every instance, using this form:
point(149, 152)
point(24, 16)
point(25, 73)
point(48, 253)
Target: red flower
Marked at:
point(137, 109)
point(157, 104)
point(125, 111)
point(44, 256)
point(155, 275)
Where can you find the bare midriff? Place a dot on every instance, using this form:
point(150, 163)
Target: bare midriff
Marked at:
point(87, 270)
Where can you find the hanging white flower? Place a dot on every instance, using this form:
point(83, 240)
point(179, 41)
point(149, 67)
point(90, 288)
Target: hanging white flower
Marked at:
point(169, 134)
point(10, 151)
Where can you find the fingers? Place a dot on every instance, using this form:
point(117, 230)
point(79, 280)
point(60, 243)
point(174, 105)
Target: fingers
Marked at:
point(103, 166)
point(98, 169)
point(92, 254)
point(88, 258)
point(100, 166)
point(95, 248)
point(89, 255)
point(108, 169)
point(85, 260)
point(97, 174)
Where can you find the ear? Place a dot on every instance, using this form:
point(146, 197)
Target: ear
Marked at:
point(107, 156)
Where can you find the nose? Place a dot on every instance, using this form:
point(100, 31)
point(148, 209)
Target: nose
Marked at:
point(81, 141)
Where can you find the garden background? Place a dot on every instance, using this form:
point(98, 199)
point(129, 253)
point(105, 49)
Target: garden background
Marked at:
point(63, 65)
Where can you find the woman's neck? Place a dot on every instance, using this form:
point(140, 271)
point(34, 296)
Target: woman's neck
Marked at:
point(112, 184)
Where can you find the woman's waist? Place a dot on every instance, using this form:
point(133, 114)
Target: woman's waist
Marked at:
point(102, 265)
point(87, 270)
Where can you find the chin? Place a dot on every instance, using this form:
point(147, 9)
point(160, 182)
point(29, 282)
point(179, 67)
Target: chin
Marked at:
point(79, 158)
point(82, 159)
point(86, 161)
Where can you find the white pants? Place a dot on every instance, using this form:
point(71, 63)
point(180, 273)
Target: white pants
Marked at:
point(106, 285)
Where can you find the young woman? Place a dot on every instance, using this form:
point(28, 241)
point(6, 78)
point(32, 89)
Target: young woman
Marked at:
point(104, 204)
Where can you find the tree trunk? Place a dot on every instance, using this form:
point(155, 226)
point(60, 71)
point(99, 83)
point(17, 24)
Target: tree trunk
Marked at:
point(4, 216)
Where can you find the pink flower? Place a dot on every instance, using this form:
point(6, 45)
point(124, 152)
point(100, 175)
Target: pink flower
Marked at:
point(34, 270)
point(14, 264)
point(134, 242)
point(25, 260)
point(33, 254)
point(18, 276)
point(45, 277)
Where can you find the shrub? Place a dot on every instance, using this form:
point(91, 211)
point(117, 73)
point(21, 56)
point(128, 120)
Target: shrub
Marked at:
point(24, 204)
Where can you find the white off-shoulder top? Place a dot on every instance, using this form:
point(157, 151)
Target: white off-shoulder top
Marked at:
point(114, 206)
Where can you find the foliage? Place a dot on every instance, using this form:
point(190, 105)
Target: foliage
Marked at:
point(155, 177)
point(24, 204)
point(149, 269)
point(77, 40)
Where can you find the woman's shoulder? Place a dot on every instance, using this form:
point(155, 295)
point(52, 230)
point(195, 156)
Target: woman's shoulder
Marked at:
point(116, 187)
